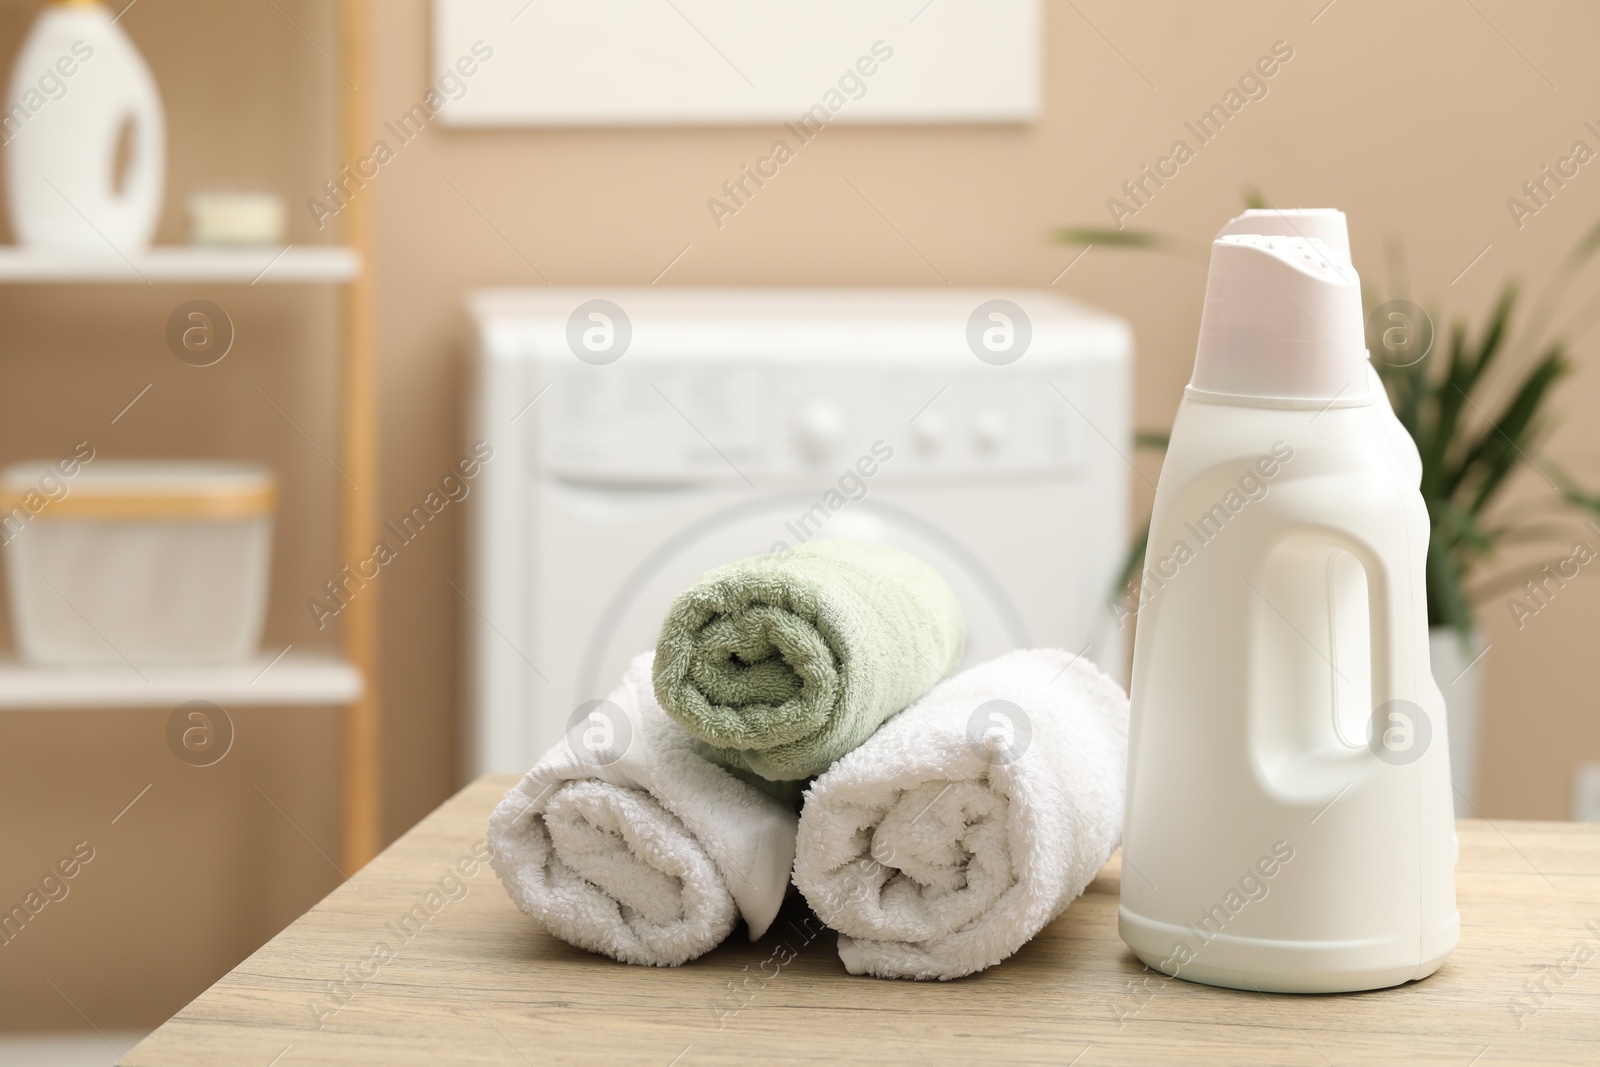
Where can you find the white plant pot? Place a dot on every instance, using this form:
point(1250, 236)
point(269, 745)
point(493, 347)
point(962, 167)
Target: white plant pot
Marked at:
point(1463, 699)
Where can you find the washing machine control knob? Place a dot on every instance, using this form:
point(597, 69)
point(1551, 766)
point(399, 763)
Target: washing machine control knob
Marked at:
point(820, 427)
point(989, 428)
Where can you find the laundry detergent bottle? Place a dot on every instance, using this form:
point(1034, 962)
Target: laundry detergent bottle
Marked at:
point(84, 135)
point(1289, 823)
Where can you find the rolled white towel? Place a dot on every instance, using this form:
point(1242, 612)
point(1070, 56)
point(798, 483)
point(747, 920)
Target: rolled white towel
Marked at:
point(970, 820)
point(623, 840)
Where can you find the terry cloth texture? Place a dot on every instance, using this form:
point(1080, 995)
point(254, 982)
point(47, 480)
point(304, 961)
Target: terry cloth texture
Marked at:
point(624, 840)
point(970, 820)
point(783, 663)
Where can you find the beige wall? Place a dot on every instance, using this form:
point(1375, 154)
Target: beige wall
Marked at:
point(1418, 119)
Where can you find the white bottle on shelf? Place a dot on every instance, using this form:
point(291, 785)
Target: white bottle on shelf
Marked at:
point(78, 89)
point(1289, 824)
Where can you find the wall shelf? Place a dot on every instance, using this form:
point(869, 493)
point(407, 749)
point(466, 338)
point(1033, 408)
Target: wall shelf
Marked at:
point(297, 679)
point(168, 264)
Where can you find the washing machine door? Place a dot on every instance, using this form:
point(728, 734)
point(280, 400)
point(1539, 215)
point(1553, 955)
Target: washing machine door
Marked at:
point(600, 614)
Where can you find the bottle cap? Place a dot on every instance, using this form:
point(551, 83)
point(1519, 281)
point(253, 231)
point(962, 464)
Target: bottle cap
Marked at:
point(1326, 224)
point(1282, 319)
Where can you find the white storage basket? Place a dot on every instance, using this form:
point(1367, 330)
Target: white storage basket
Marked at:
point(117, 562)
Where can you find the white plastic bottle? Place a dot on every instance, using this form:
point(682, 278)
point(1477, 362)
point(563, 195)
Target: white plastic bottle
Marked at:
point(76, 86)
point(1289, 824)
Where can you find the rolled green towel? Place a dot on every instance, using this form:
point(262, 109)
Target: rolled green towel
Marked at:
point(782, 663)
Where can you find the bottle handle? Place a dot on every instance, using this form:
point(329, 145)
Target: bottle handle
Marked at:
point(1298, 754)
point(142, 171)
point(1382, 609)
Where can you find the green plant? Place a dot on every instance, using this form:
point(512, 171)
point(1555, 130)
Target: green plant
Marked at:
point(1468, 453)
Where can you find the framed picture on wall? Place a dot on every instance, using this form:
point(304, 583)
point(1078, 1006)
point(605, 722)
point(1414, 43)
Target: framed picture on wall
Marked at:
point(735, 62)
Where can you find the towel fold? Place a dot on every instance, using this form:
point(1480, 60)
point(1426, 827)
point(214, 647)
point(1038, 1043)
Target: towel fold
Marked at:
point(970, 820)
point(624, 840)
point(783, 663)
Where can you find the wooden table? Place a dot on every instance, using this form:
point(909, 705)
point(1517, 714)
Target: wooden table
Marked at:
point(477, 982)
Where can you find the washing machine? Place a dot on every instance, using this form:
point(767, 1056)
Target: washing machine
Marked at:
point(643, 436)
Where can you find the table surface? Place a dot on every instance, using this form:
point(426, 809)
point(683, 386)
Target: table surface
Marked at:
point(480, 983)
